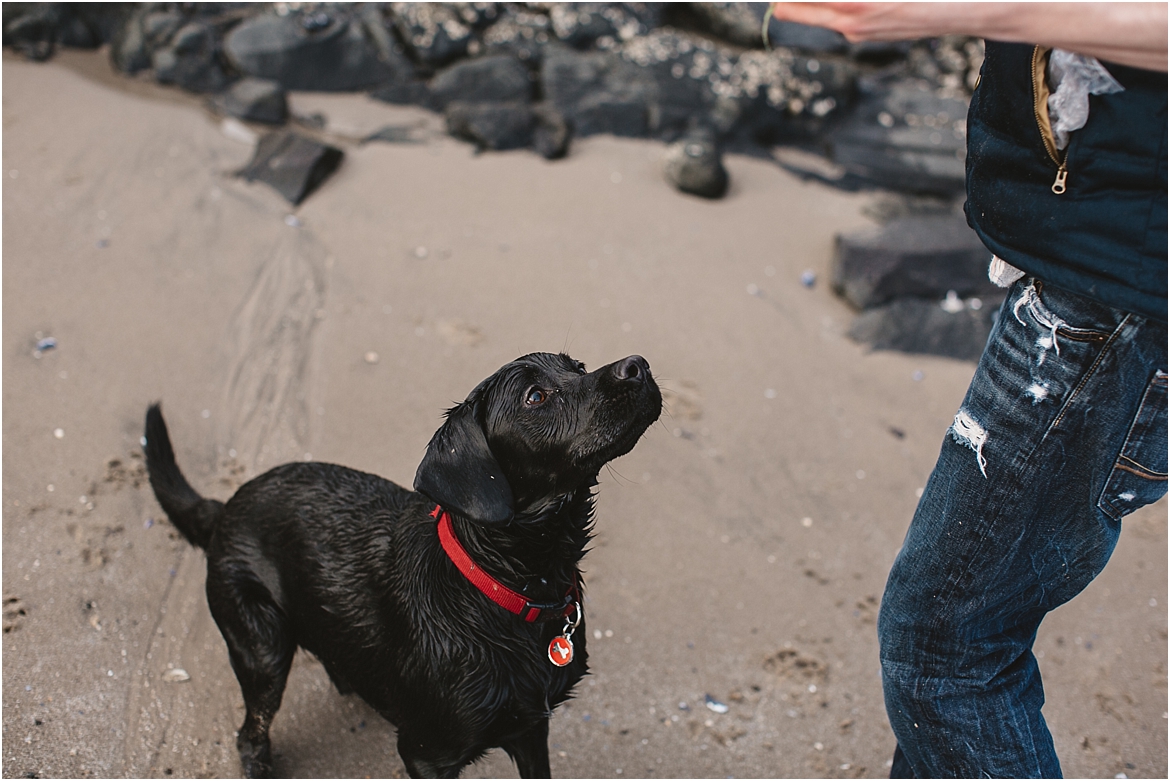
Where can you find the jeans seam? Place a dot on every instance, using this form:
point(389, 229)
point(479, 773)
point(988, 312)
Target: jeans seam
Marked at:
point(1084, 379)
point(1133, 467)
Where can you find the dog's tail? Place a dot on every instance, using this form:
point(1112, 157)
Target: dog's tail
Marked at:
point(191, 514)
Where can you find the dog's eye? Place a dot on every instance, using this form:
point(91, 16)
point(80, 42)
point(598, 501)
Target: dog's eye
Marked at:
point(535, 397)
point(580, 368)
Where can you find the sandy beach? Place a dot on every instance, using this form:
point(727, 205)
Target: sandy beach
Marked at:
point(741, 549)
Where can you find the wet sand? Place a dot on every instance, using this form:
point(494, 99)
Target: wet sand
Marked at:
point(741, 548)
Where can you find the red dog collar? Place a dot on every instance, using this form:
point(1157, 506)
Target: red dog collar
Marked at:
point(497, 592)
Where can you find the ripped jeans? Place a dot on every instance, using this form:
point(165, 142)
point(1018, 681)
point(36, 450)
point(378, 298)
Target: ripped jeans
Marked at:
point(1061, 434)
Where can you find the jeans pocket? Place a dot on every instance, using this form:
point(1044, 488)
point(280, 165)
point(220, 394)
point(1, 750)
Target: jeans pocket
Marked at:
point(1139, 474)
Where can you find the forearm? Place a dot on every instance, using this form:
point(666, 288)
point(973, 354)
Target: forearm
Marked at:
point(1126, 33)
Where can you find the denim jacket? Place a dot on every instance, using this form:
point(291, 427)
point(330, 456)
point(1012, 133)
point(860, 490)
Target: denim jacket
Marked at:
point(1090, 219)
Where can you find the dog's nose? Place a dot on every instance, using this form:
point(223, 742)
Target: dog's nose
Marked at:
point(631, 368)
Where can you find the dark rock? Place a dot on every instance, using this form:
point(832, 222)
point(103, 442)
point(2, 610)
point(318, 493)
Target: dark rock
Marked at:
point(409, 91)
point(880, 52)
point(435, 34)
point(580, 24)
point(32, 28)
point(338, 56)
point(742, 25)
point(314, 121)
point(393, 134)
point(916, 325)
point(191, 60)
point(497, 79)
point(478, 16)
point(495, 126)
point(143, 32)
point(787, 98)
point(598, 92)
point(904, 137)
point(291, 164)
point(694, 165)
point(914, 256)
point(255, 100)
point(521, 34)
point(551, 136)
point(36, 29)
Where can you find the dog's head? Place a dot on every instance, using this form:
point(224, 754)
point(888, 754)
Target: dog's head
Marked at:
point(539, 428)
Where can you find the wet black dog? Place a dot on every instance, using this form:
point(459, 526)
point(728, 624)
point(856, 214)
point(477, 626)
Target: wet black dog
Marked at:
point(353, 569)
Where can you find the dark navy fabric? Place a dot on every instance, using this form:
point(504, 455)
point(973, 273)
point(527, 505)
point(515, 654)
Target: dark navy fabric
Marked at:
point(1105, 236)
point(1065, 433)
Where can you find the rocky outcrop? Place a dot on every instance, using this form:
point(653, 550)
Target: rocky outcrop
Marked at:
point(884, 115)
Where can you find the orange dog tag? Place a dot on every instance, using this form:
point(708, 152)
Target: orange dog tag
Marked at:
point(560, 650)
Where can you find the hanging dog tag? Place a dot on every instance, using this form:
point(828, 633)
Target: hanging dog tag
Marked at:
point(560, 650)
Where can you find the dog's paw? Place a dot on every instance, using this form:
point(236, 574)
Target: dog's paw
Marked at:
point(255, 758)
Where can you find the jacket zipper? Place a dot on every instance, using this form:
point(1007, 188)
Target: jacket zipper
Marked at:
point(1040, 112)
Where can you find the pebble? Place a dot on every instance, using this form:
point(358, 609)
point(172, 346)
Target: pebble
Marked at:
point(714, 705)
point(59, 433)
point(371, 357)
point(952, 303)
point(808, 278)
point(176, 675)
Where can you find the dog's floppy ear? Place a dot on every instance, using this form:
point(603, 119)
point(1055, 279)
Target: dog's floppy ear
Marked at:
point(460, 473)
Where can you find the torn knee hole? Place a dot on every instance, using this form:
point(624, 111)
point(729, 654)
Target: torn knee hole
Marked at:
point(967, 431)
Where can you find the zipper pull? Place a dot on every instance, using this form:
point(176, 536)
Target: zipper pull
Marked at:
point(1061, 174)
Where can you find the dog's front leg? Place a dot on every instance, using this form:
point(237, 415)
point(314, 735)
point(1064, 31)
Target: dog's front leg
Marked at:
point(530, 751)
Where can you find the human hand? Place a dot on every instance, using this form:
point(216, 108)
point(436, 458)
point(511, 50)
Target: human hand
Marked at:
point(1126, 33)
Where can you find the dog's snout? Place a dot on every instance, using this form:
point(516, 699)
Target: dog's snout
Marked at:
point(633, 368)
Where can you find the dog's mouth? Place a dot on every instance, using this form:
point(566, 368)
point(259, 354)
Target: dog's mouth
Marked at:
point(618, 436)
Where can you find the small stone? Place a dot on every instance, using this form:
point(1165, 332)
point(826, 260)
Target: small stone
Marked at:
point(176, 675)
point(695, 165)
point(371, 357)
point(59, 433)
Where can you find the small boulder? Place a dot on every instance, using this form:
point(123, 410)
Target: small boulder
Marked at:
point(291, 164)
point(190, 60)
point(495, 126)
point(694, 165)
point(598, 92)
point(918, 325)
point(913, 256)
point(551, 136)
point(325, 50)
point(495, 79)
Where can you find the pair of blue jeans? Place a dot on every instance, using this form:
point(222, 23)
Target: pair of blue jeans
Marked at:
point(1061, 434)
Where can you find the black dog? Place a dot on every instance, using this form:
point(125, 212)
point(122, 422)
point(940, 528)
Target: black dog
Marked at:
point(395, 595)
